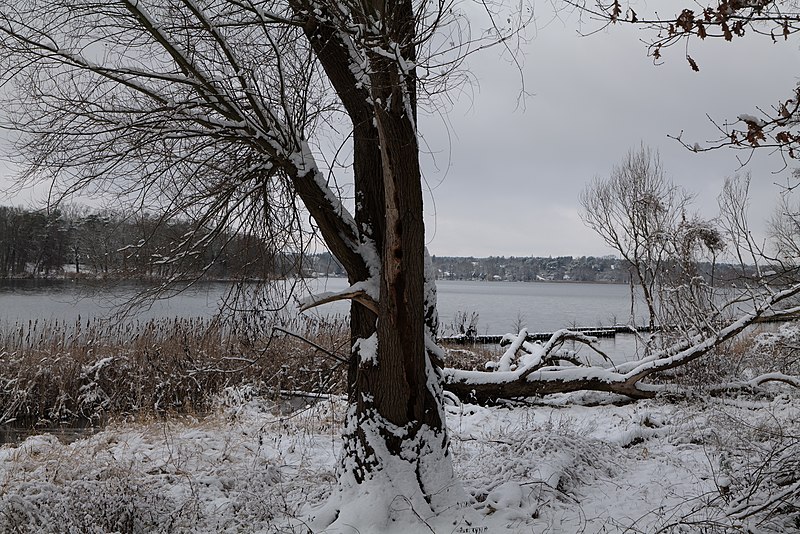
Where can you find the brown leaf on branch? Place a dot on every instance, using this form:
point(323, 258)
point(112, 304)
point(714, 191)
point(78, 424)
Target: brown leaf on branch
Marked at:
point(755, 133)
point(692, 63)
point(726, 31)
point(686, 20)
point(616, 11)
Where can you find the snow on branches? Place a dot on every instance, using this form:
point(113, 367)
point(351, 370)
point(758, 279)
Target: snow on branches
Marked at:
point(528, 369)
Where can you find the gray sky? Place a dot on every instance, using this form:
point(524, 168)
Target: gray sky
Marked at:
point(505, 178)
point(515, 175)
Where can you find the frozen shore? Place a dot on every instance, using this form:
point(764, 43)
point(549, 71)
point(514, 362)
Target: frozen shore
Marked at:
point(564, 465)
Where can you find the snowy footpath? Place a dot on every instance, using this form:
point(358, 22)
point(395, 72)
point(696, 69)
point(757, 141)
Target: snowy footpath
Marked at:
point(567, 464)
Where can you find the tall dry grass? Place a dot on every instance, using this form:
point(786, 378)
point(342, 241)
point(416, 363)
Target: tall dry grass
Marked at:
point(52, 372)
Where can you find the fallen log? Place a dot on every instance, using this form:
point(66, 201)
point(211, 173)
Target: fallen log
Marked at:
point(530, 370)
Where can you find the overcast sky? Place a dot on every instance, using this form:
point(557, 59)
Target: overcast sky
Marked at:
point(515, 176)
point(506, 178)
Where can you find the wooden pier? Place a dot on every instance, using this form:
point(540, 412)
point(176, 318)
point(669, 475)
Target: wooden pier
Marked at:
point(594, 331)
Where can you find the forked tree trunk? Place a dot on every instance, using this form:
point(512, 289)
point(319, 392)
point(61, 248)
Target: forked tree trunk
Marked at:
point(395, 444)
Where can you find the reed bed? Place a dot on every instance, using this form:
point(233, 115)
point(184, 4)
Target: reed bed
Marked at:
point(86, 372)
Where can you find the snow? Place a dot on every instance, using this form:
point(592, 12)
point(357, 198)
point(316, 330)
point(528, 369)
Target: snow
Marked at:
point(559, 465)
point(367, 349)
point(369, 252)
point(369, 287)
point(751, 119)
point(506, 361)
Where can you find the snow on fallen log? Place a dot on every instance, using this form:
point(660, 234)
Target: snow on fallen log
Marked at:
point(547, 369)
point(507, 360)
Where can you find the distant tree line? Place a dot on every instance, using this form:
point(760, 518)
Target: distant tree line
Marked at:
point(605, 269)
point(77, 241)
point(532, 269)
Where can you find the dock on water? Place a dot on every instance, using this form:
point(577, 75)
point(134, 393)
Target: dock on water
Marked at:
point(594, 331)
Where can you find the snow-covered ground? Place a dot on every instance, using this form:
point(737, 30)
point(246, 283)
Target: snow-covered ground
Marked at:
point(564, 465)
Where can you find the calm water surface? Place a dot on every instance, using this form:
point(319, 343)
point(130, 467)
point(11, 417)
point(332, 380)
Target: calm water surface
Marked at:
point(64, 300)
point(500, 306)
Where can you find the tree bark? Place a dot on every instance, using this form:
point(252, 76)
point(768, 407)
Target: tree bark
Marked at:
point(395, 427)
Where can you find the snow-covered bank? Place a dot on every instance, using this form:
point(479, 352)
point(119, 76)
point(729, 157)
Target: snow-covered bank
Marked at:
point(559, 466)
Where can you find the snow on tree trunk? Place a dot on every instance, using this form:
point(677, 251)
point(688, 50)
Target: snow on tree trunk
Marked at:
point(396, 466)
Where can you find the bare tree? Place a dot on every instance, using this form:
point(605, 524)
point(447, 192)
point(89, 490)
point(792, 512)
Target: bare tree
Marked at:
point(215, 111)
point(644, 217)
point(689, 293)
point(697, 320)
point(784, 230)
point(636, 211)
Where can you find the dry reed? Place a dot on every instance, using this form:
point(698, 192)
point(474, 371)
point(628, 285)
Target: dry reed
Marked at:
point(85, 372)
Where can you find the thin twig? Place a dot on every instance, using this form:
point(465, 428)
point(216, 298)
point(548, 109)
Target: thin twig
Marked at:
point(319, 348)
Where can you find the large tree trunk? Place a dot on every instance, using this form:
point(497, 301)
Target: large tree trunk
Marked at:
point(395, 444)
point(332, 52)
point(396, 452)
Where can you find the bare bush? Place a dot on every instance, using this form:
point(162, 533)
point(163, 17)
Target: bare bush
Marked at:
point(779, 349)
point(756, 473)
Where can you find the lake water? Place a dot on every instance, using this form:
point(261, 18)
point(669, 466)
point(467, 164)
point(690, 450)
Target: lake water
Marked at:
point(501, 306)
